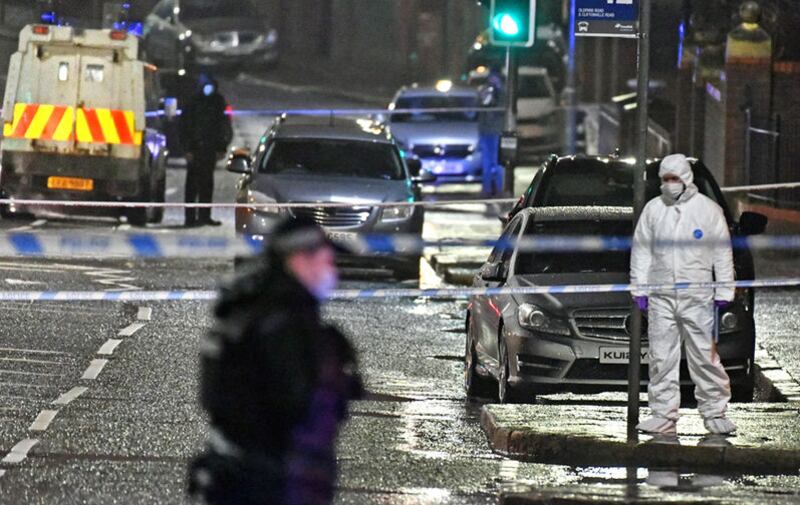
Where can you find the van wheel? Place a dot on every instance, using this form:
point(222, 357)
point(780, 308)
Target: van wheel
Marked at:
point(136, 216)
point(156, 214)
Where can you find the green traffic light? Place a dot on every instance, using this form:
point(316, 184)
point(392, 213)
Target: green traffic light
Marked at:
point(506, 24)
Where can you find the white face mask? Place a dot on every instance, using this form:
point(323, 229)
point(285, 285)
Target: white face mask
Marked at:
point(673, 190)
point(325, 286)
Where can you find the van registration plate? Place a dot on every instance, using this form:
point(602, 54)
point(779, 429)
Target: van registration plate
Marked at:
point(70, 183)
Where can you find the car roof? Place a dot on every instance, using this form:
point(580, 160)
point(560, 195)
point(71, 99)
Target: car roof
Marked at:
point(617, 162)
point(422, 91)
point(579, 213)
point(333, 128)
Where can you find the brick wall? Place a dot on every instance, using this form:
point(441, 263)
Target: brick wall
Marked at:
point(786, 82)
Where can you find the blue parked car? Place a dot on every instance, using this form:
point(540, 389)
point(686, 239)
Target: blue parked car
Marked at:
point(446, 143)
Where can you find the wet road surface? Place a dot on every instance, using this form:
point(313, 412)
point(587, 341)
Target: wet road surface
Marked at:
point(98, 400)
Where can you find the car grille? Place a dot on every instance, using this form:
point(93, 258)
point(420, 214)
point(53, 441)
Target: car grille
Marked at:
point(247, 37)
point(335, 217)
point(442, 151)
point(606, 324)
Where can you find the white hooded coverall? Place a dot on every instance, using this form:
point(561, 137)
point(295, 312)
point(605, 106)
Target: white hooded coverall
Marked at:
point(683, 316)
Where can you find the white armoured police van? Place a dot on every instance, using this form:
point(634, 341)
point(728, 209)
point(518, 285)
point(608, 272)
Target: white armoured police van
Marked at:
point(75, 126)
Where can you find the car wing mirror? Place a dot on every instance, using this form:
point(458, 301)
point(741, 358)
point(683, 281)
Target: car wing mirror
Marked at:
point(423, 178)
point(493, 272)
point(414, 166)
point(239, 161)
point(752, 223)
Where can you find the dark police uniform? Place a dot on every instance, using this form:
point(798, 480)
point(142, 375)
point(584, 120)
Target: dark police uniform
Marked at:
point(275, 383)
point(206, 132)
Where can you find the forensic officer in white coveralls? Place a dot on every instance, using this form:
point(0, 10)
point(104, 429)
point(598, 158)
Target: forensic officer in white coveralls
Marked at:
point(682, 236)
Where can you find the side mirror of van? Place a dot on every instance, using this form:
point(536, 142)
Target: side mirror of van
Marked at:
point(239, 162)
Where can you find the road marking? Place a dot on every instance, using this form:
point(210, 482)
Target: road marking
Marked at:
point(94, 369)
point(21, 282)
point(32, 351)
point(21, 385)
point(43, 420)
point(33, 374)
point(130, 330)
point(509, 469)
point(70, 395)
point(33, 361)
point(109, 347)
point(145, 314)
point(20, 451)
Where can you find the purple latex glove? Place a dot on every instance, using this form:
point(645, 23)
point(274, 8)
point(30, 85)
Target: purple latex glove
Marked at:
point(722, 304)
point(641, 302)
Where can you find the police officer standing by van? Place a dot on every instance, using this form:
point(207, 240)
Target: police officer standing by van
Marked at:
point(206, 131)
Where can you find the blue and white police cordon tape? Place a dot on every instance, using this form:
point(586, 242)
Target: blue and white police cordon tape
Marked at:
point(354, 113)
point(156, 245)
point(282, 206)
point(355, 294)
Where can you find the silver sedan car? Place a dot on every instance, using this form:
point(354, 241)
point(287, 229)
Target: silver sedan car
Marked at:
point(332, 161)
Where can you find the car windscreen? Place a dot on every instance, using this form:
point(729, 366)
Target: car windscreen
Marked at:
point(593, 183)
point(557, 262)
point(344, 158)
point(533, 86)
point(204, 9)
point(436, 102)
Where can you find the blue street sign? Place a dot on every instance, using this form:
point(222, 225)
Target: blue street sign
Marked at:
point(607, 18)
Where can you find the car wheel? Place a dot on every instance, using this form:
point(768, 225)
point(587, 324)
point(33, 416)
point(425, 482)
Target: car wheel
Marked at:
point(474, 384)
point(506, 393)
point(409, 270)
point(744, 392)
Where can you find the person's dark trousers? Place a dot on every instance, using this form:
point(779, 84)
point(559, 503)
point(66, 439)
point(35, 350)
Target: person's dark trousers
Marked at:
point(200, 186)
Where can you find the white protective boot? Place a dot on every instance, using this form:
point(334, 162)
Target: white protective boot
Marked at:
point(719, 425)
point(657, 425)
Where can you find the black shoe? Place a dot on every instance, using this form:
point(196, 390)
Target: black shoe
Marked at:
point(212, 222)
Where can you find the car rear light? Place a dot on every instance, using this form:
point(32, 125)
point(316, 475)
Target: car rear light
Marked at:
point(41, 30)
point(118, 35)
point(229, 110)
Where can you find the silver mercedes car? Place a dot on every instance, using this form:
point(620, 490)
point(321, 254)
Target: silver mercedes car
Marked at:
point(332, 161)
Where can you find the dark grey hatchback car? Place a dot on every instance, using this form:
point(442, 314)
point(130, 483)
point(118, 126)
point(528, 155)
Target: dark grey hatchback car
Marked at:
point(521, 345)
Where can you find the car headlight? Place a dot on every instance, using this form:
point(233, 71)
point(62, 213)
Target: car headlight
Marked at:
point(260, 199)
point(272, 37)
point(206, 43)
point(533, 318)
point(399, 213)
point(472, 148)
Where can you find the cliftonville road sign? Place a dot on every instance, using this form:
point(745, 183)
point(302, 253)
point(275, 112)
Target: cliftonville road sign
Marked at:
point(607, 18)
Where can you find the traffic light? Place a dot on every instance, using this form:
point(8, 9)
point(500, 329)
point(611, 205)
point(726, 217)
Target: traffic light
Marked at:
point(512, 22)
